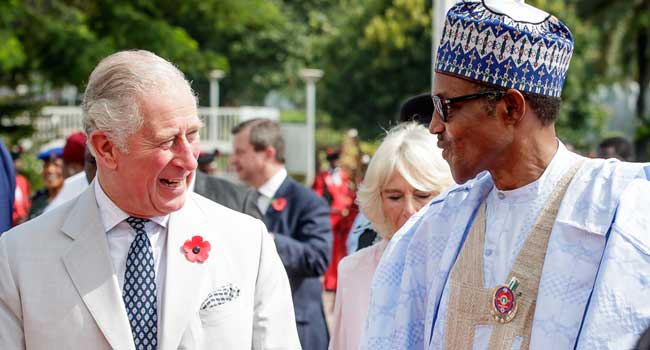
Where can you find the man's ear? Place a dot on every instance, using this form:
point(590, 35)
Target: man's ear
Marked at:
point(514, 106)
point(105, 149)
point(269, 153)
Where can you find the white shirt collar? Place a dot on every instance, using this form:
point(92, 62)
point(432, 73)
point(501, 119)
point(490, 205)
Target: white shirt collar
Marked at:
point(271, 186)
point(190, 188)
point(111, 214)
point(555, 169)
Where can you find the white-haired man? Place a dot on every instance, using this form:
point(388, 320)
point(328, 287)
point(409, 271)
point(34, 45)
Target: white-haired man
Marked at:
point(137, 262)
point(539, 248)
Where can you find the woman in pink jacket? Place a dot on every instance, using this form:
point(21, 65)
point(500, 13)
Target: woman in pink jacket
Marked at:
point(406, 172)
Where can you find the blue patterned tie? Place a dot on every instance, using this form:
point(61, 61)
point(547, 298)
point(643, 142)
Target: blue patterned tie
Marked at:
point(139, 290)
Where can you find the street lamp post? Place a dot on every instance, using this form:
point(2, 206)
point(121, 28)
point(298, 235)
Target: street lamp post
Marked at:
point(311, 76)
point(213, 126)
point(215, 76)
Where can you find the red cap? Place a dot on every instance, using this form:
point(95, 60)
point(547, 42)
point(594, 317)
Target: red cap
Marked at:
point(73, 152)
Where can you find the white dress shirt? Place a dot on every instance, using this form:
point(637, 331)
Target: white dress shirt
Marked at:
point(510, 216)
point(120, 235)
point(335, 175)
point(268, 189)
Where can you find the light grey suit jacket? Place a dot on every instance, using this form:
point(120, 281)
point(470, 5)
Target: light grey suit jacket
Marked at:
point(58, 289)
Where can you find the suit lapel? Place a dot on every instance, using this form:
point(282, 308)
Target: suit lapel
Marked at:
point(89, 265)
point(185, 281)
point(272, 216)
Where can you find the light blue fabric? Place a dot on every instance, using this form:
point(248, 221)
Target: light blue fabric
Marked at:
point(409, 294)
point(510, 216)
point(619, 310)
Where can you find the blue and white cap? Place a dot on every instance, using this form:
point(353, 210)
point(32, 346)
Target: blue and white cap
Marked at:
point(506, 43)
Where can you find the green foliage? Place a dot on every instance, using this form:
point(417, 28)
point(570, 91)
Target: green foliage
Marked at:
point(58, 42)
point(32, 169)
point(244, 38)
point(12, 52)
point(12, 107)
point(378, 57)
point(622, 29)
point(374, 53)
point(618, 24)
point(292, 116)
point(63, 49)
point(251, 35)
point(582, 119)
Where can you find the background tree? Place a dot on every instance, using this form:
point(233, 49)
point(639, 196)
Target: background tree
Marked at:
point(375, 53)
point(582, 120)
point(13, 57)
point(624, 38)
point(379, 54)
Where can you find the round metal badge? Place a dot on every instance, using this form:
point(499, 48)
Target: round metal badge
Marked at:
point(504, 302)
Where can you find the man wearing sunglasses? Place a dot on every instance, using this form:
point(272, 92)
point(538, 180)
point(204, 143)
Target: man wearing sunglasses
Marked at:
point(538, 248)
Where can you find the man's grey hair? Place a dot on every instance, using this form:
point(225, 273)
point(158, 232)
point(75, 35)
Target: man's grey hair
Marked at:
point(263, 133)
point(119, 84)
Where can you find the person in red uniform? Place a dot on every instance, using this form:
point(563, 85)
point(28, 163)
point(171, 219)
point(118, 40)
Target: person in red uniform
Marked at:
point(333, 185)
point(22, 202)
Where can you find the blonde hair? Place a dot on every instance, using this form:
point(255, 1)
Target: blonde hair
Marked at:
point(410, 150)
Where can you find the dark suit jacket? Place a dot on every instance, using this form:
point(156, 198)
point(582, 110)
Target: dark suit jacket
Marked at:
point(7, 188)
point(228, 194)
point(303, 237)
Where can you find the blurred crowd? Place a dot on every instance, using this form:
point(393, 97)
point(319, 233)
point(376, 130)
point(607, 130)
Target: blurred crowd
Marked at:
point(65, 174)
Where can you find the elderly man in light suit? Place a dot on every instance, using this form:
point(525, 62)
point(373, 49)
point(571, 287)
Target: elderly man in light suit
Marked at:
point(136, 261)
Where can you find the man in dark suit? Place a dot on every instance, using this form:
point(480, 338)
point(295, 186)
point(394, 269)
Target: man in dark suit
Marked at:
point(7, 188)
point(228, 194)
point(296, 217)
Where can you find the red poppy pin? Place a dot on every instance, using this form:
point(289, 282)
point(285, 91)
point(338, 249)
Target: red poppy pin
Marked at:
point(279, 203)
point(196, 249)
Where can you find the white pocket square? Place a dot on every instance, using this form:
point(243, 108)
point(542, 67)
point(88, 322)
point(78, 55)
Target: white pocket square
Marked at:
point(222, 295)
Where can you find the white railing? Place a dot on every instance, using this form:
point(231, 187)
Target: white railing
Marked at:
point(218, 122)
point(56, 123)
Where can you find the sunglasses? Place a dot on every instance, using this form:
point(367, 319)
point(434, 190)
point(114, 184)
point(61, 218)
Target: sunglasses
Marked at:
point(441, 106)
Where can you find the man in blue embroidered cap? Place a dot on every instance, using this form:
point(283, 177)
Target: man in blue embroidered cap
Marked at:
point(538, 248)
